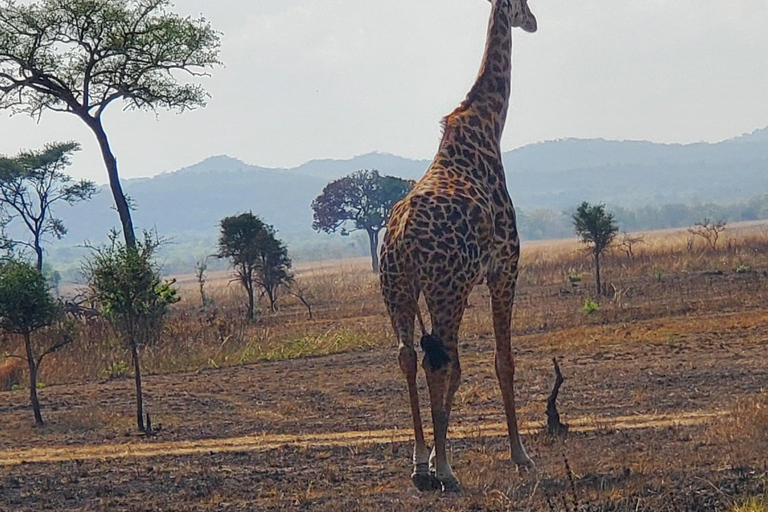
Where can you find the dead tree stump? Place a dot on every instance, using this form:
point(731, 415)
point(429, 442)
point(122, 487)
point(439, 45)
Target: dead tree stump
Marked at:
point(554, 426)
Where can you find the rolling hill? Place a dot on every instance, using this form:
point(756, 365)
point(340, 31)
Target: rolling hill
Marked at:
point(186, 205)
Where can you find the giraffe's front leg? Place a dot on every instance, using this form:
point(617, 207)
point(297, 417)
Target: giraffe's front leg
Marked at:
point(421, 476)
point(502, 289)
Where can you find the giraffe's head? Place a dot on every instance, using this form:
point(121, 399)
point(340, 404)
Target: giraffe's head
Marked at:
point(520, 14)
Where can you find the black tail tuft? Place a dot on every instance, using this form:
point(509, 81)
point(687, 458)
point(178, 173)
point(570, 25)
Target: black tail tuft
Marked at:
point(435, 354)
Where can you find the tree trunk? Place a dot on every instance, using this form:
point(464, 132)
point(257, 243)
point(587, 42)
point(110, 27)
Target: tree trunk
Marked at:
point(202, 294)
point(597, 274)
point(272, 295)
point(39, 253)
point(33, 381)
point(114, 180)
point(373, 238)
point(137, 373)
point(249, 313)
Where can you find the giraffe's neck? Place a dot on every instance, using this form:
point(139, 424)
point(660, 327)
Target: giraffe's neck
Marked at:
point(489, 96)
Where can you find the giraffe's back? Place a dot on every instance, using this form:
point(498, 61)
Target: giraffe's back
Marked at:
point(442, 232)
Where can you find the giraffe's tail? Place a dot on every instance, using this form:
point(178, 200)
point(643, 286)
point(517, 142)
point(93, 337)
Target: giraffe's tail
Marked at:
point(435, 354)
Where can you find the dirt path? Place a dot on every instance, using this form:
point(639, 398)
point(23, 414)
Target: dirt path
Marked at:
point(329, 439)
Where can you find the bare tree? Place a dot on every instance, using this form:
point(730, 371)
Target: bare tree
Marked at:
point(201, 267)
point(628, 242)
point(708, 230)
point(301, 292)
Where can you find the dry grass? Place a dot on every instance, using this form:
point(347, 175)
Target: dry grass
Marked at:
point(11, 373)
point(665, 365)
point(755, 504)
point(666, 276)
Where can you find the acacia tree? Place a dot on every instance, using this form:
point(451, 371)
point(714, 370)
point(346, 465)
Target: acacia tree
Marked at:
point(80, 56)
point(26, 306)
point(258, 257)
point(126, 284)
point(597, 229)
point(32, 182)
point(362, 200)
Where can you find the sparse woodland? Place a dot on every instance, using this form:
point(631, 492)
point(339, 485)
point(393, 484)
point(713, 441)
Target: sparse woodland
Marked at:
point(662, 277)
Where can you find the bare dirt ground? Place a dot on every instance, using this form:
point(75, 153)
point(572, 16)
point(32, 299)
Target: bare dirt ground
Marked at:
point(666, 414)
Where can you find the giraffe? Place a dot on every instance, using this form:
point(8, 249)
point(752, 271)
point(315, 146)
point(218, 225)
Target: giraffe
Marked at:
point(455, 228)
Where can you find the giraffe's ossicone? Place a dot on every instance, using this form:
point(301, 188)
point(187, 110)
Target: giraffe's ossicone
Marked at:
point(455, 229)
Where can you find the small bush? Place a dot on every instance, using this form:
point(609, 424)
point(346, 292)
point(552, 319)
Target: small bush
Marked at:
point(573, 277)
point(590, 307)
point(116, 370)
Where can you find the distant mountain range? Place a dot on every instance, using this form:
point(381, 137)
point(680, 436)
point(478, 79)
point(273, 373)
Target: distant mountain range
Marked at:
point(186, 205)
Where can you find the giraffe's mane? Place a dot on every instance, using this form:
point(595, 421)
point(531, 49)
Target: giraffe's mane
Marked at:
point(445, 122)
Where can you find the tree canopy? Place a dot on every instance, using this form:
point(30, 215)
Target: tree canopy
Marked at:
point(362, 200)
point(259, 258)
point(25, 302)
point(31, 183)
point(80, 56)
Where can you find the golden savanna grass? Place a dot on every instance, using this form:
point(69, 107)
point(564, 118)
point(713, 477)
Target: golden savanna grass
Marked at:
point(665, 275)
point(11, 373)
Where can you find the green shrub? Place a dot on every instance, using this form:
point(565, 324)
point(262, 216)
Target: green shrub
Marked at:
point(590, 307)
point(573, 277)
point(116, 370)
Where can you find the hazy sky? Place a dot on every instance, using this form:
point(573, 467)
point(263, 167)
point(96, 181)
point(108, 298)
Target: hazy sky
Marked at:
point(307, 79)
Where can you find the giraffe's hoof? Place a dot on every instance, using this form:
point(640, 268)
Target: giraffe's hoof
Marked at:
point(450, 484)
point(425, 481)
point(526, 466)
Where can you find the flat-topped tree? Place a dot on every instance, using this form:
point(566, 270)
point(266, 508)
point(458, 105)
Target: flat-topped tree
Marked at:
point(80, 56)
point(31, 183)
point(361, 200)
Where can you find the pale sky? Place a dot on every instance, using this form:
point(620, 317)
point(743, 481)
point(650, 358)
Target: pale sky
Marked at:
point(309, 79)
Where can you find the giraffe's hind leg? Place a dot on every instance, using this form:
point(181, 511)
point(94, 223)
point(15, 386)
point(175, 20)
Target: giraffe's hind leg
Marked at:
point(421, 476)
point(502, 289)
point(441, 364)
point(401, 298)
